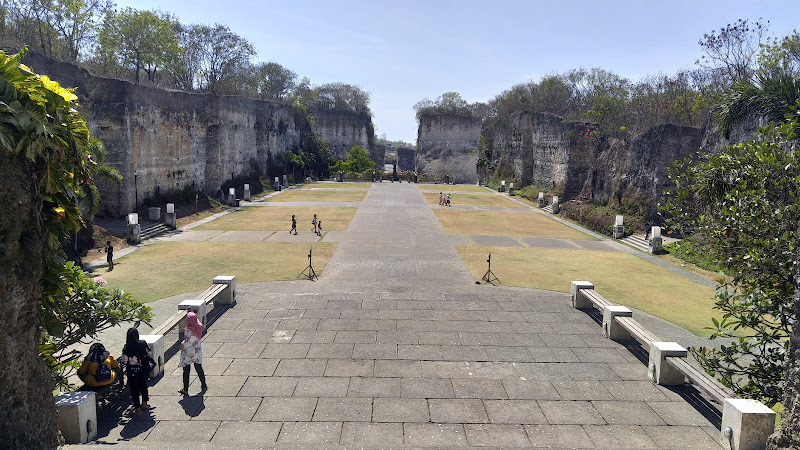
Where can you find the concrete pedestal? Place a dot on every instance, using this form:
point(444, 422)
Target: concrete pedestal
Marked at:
point(655, 240)
point(659, 371)
point(134, 234)
point(750, 422)
point(540, 201)
point(156, 343)
point(198, 306)
point(228, 296)
point(171, 219)
point(77, 416)
point(555, 205)
point(619, 228)
point(154, 214)
point(578, 301)
point(610, 327)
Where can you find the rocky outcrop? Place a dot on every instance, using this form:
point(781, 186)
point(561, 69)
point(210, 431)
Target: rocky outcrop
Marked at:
point(405, 159)
point(344, 129)
point(445, 146)
point(628, 173)
point(165, 141)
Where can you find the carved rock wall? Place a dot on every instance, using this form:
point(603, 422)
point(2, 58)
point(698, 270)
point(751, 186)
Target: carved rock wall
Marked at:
point(342, 130)
point(445, 144)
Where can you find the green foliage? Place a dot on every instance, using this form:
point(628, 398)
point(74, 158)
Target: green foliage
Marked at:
point(695, 251)
point(37, 121)
point(449, 103)
point(77, 317)
point(746, 201)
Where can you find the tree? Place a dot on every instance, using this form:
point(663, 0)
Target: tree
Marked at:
point(358, 160)
point(137, 40)
point(44, 152)
point(221, 53)
point(275, 81)
point(771, 95)
point(77, 22)
point(733, 49)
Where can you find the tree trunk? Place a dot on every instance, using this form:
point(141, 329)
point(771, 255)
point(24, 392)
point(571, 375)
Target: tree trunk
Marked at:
point(788, 434)
point(27, 410)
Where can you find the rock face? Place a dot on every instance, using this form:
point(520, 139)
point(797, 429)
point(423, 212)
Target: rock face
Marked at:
point(545, 151)
point(405, 159)
point(342, 130)
point(27, 408)
point(445, 144)
point(164, 141)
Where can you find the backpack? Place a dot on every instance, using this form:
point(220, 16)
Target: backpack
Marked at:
point(103, 373)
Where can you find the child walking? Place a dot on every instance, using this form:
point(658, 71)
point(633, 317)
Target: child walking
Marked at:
point(319, 227)
point(294, 226)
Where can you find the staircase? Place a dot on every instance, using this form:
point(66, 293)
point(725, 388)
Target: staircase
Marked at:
point(151, 230)
point(637, 241)
point(548, 208)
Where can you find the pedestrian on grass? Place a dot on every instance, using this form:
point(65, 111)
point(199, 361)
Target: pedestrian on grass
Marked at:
point(314, 224)
point(441, 199)
point(134, 356)
point(319, 227)
point(109, 249)
point(294, 226)
point(192, 352)
point(448, 199)
point(647, 228)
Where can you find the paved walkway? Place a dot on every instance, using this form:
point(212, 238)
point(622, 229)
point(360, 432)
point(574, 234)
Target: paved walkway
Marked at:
point(395, 346)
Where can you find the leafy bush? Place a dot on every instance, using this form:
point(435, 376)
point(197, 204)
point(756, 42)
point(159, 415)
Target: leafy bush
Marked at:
point(694, 251)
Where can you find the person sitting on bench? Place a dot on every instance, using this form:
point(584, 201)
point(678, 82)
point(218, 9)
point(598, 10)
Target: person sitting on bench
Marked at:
point(91, 373)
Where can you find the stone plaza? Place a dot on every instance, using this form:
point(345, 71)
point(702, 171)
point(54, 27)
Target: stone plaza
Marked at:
point(396, 346)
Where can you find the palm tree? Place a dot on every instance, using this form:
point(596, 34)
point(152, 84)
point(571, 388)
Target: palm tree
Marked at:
point(771, 95)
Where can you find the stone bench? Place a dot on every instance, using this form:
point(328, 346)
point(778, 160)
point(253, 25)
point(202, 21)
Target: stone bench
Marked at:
point(77, 416)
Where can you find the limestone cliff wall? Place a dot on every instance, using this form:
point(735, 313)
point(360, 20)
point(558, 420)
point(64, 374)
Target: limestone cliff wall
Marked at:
point(342, 130)
point(445, 144)
point(163, 141)
point(631, 173)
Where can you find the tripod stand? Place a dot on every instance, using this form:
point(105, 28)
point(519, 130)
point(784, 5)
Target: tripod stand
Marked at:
point(489, 275)
point(312, 275)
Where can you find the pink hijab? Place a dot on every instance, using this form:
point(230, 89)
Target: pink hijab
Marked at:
point(194, 325)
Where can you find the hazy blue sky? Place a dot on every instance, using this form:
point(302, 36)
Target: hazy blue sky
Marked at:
point(404, 51)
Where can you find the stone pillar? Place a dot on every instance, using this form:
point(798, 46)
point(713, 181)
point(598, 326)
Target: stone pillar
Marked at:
point(511, 190)
point(541, 200)
point(611, 329)
point(619, 228)
point(228, 296)
point(285, 181)
point(232, 196)
point(555, 205)
point(170, 218)
point(502, 186)
point(156, 344)
point(747, 423)
point(578, 301)
point(655, 240)
point(276, 185)
point(77, 416)
point(661, 372)
point(134, 229)
point(246, 195)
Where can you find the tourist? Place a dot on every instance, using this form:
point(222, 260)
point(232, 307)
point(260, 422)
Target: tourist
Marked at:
point(441, 199)
point(109, 249)
point(319, 227)
point(134, 356)
point(294, 226)
point(647, 228)
point(91, 371)
point(192, 352)
point(448, 199)
point(314, 224)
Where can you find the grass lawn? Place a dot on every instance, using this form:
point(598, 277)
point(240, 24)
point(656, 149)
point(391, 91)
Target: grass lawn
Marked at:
point(308, 195)
point(170, 268)
point(487, 199)
point(620, 277)
point(452, 188)
point(337, 185)
point(274, 218)
point(505, 223)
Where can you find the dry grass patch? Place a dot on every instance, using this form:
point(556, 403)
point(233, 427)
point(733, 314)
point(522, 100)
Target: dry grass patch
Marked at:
point(505, 223)
point(274, 218)
point(337, 185)
point(620, 277)
point(452, 188)
point(170, 268)
point(487, 199)
point(308, 195)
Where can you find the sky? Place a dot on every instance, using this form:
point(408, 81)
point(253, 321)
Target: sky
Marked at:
point(404, 51)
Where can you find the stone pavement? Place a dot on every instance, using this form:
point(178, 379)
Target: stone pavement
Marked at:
point(395, 346)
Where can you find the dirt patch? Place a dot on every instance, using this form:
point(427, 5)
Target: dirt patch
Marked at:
point(92, 240)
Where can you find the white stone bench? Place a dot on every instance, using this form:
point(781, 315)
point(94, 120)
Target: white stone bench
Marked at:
point(77, 416)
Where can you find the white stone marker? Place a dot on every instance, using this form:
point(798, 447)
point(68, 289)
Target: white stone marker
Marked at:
point(134, 229)
point(246, 192)
point(611, 329)
point(578, 300)
point(228, 296)
point(541, 199)
point(77, 416)
point(170, 218)
point(555, 205)
point(619, 228)
point(661, 372)
point(231, 196)
point(655, 240)
point(750, 422)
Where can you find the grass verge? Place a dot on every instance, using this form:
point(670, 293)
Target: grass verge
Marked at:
point(505, 223)
point(620, 277)
point(274, 218)
point(308, 195)
point(486, 199)
point(337, 185)
point(171, 268)
point(452, 188)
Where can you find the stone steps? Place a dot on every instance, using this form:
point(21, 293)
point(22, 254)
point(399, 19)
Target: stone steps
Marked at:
point(150, 231)
point(637, 241)
point(548, 209)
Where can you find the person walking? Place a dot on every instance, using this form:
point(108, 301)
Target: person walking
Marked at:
point(647, 228)
point(441, 199)
point(109, 249)
point(314, 224)
point(448, 199)
point(319, 227)
point(294, 226)
point(134, 356)
point(192, 352)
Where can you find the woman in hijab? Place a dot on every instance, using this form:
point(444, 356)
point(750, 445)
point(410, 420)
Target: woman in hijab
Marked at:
point(91, 371)
point(192, 352)
point(134, 356)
